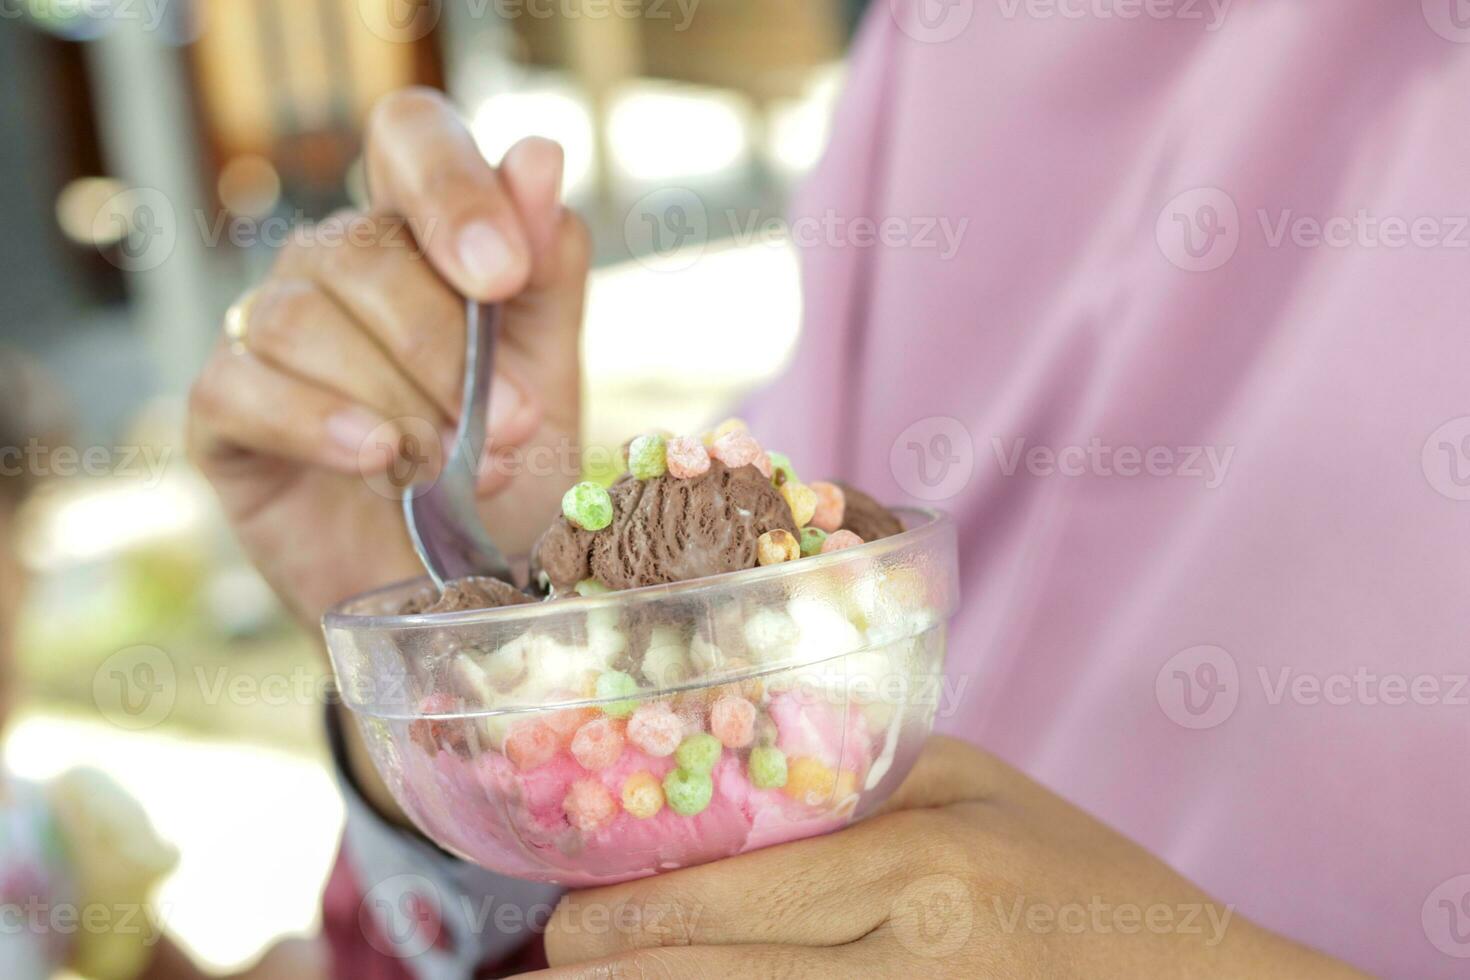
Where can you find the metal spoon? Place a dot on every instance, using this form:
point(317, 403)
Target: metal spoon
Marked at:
point(442, 518)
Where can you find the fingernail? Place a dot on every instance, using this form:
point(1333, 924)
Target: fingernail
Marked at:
point(483, 251)
point(352, 430)
point(505, 403)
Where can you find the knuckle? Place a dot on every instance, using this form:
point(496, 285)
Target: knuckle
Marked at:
point(278, 314)
point(404, 107)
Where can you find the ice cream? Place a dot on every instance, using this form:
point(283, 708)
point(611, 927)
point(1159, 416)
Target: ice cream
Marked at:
point(867, 518)
point(668, 529)
point(590, 747)
point(465, 594)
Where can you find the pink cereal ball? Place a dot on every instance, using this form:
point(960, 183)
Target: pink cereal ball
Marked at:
point(655, 729)
point(598, 743)
point(589, 805)
point(831, 506)
point(763, 463)
point(732, 721)
point(838, 540)
point(530, 744)
point(686, 458)
point(737, 449)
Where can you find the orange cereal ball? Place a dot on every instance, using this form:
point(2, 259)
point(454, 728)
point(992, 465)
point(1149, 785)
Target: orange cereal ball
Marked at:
point(809, 781)
point(643, 795)
point(589, 805)
point(831, 506)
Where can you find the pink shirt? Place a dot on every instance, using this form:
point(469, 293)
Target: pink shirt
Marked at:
point(1195, 384)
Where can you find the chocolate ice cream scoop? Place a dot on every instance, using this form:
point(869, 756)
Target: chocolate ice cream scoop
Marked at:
point(465, 594)
point(669, 530)
point(865, 517)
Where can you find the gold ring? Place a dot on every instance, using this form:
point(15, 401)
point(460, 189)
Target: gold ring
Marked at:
point(237, 321)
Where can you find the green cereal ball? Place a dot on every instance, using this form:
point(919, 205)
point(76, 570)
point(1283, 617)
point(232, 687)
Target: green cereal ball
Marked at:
point(698, 753)
point(688, 793)
point(767, 767)
point(781, 469)
point(648, 457)
point(615, 683)
point(588, 506)
point(812, 539)
point(590, 586)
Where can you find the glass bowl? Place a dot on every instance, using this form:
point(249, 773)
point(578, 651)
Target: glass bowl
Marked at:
point(594, 739)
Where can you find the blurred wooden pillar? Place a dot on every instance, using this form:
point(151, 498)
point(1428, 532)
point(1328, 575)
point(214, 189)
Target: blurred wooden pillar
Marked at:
point(603, 51)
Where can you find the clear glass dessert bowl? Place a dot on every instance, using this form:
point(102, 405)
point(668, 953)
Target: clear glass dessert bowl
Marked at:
point(603, 737)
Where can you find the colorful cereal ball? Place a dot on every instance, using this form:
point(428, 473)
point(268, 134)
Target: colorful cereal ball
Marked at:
point(809, 781)
point(737, 449)
point(565, 722)
point(598, 743)
point(588, 506)
point(647, 457)
point(839, 541)
point(812, 539)
point(686, 458)
point(698, 753)
point(767, 767)
point(831, 506)
point(775, 547)
point(643, 795)
point(802, 500)
point(732, 721)
point(688, 793)
point(614, 684)
point(655, 729)
point(589, 805)
point(531, 744)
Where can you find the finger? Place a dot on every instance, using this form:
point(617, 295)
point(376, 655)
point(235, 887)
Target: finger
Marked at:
point(293, 325)
point(712, 962)
point(949, 770)
point(371, 266)
point(824, 891)
point(423, 164)
point(532, 173)
point(820, 891)
point(240, 404)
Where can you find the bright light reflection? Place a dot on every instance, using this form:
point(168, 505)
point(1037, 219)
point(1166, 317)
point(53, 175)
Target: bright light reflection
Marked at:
point(554, 112)
point(659, 131)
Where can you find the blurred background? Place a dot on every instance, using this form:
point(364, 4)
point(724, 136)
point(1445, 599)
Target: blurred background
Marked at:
point(155, 154)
